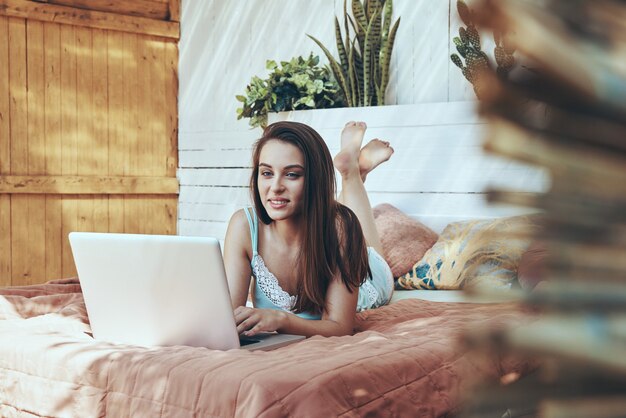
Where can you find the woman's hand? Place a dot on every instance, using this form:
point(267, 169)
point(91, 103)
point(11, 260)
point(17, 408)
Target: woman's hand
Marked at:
point(251, 321)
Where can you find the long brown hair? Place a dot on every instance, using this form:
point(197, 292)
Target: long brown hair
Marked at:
point(333, 239)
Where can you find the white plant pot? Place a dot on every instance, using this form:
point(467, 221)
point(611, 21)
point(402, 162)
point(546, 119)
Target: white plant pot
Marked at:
point(383, 122)
point(424, 114)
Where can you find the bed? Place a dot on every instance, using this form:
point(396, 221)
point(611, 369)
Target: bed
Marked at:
point(404, 360)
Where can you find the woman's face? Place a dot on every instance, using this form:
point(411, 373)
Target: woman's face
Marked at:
point(281, 179)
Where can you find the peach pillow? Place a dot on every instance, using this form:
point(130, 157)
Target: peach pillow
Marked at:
point(404, 240)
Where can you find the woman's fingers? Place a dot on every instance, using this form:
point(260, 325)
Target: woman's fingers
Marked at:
point(254, 331)
point(246, 325)
point(252, 321)
point(242, 318)
point(242, 313)
point(239, 313)
point(246, 320)
point(241, 328)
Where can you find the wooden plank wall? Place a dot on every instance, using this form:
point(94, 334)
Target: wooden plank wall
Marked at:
point(88, 127)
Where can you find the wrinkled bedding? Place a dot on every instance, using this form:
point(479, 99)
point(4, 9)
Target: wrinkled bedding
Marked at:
point(404, 360)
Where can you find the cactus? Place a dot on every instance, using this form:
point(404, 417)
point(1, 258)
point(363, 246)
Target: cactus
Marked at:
point(362, 70)
point(503, 53)
point(476, 61)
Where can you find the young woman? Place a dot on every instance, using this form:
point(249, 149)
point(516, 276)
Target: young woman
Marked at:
point(315, 259)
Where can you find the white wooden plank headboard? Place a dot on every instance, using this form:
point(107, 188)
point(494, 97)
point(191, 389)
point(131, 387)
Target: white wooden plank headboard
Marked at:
point(438, 173)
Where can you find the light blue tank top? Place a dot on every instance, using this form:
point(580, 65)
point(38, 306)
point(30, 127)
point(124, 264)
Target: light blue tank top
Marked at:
point(267, 291)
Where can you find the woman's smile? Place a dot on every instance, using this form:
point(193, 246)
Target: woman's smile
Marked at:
point(278, 203)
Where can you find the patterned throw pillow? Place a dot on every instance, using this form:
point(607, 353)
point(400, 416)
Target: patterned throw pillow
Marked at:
point(477, 253)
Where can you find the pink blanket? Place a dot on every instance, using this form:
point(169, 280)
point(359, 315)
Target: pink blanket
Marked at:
point(404, 360)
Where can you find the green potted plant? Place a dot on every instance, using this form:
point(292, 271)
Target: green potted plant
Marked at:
point(362, 69)
point(291, 85)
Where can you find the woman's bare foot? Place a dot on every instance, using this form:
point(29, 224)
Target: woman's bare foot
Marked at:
point(347, 160)
point(372, 155)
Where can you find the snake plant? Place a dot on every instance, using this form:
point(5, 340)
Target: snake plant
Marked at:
point(362, 70)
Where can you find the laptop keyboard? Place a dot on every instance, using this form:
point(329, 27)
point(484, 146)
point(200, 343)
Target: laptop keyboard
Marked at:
point(247, 341)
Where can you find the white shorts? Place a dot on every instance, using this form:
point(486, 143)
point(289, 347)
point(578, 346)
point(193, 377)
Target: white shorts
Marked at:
point(376, 290)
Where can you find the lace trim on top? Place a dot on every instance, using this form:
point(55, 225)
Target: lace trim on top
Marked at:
point(372, 293)
point(270, 286)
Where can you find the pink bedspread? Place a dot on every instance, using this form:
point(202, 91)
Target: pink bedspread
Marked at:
point(404, 360)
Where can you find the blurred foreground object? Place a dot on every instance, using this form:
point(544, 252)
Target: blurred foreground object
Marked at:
point(568, 115)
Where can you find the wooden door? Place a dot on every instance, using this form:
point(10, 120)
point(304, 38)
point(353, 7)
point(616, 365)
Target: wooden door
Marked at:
point(88, 127)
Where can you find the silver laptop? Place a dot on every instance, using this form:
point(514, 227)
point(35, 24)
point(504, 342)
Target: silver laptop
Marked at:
point(158, 290)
